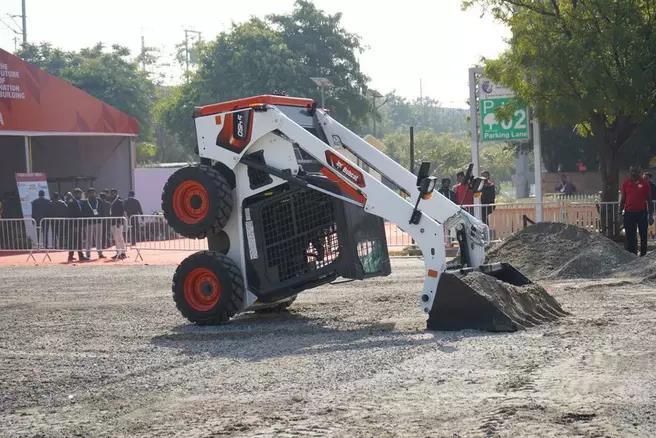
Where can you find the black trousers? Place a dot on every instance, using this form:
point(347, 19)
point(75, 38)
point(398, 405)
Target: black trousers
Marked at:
point(485, 213)
point(631, 221)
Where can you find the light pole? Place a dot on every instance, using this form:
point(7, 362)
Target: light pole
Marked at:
point(188, 59)
point(375, 95)
point(24, 24)
point(322, 84)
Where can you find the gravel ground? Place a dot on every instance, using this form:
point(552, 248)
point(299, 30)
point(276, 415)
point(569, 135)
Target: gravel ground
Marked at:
point(98, 351)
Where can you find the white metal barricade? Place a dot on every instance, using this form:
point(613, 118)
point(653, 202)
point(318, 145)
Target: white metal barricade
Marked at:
point(82, 235)
point(19, 236)
point(151, 232)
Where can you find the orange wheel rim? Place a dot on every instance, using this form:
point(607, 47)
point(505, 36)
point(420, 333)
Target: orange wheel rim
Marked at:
point(202, 289)
point(191, 202)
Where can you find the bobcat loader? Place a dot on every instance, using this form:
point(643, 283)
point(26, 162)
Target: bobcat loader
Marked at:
point(284, 210)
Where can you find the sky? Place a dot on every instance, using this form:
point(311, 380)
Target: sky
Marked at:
point(407, 42)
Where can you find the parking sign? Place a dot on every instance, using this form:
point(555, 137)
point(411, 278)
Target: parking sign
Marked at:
point(492, 129)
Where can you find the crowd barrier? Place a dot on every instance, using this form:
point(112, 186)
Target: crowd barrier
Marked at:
point(19, 236)
point(153, 233)
point(83, 235)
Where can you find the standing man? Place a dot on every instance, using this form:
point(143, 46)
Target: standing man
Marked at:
point(488, 196)
point(463, 194)
point(650, 179)
point(41, 210)
point(117, 210)
point(74, 228)
point(58, 210)
point(636, 206)
point(93, 209)
point(445, 190)
point(132, 207)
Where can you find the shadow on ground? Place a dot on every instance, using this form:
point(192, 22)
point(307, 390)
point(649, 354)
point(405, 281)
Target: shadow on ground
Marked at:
point(258, 337)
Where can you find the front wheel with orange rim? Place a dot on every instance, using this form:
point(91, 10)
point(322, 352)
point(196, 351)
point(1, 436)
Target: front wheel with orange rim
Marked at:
point(208, 288)
point(197, 201)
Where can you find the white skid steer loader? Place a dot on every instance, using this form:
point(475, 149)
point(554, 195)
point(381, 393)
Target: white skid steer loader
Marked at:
point(285, 210)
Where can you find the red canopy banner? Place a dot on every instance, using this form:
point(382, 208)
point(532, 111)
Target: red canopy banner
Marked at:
point(32, 102)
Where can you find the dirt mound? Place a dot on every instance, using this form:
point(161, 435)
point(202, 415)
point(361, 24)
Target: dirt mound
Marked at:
point(559, 251)
point(643, 268)
point(526, 306)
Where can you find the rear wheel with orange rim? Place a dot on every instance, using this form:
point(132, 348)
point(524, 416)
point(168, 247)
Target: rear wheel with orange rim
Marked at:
point(208, 288)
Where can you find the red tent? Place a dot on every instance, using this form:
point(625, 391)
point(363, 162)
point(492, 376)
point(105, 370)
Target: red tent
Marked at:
point(48, 125)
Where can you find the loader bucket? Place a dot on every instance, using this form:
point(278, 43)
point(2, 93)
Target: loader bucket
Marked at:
point(496, 298)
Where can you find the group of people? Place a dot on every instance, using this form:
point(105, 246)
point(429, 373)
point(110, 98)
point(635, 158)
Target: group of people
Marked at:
point(90, 231)
point(462, 194)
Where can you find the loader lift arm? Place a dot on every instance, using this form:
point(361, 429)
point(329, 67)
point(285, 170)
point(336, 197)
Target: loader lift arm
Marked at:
point(475, 234)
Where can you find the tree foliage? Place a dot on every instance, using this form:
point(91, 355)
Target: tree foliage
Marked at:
point(399, 113)
point(110, 76)
point(279, 53)
point(585, 63)
point(449, 154)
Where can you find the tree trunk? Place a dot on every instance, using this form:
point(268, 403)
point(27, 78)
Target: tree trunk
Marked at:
point(609, 170)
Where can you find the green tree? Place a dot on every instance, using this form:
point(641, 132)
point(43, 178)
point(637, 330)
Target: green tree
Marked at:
point(111, 76)
point(399, 113)
point(325, 48)
point(449, 154)
point(146, 152)
point(280, 53)
point(584, 63)
point(167, 113)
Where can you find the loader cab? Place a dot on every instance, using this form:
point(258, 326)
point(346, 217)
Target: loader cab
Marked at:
point(305, 117)
point(300, 110)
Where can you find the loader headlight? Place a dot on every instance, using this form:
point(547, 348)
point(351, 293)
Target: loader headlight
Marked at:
point(426, 186)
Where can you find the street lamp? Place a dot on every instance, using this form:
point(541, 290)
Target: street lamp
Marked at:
point(375, 95)
point(322, 84)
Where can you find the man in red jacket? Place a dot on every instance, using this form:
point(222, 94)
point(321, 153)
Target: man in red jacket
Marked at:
point(463, 194)
point(637, 208)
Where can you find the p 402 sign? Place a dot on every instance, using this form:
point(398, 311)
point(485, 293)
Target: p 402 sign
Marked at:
point(494, 129)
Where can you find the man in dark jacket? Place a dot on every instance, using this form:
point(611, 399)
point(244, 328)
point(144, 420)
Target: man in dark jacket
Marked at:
point(488, 196)
point(117, 210)
point(41, 210)
point(93, 208)
point(74, 227)
point(445, 190)
point(132, 208)
point(58, 209)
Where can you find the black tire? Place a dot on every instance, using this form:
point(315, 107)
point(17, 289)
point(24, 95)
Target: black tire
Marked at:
point(282, 307)
point(230, 292)
point(197, 200)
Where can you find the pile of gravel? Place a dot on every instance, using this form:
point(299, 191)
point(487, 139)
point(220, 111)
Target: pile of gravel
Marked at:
point(525, 306)
point(551, 250)
point(643, 268)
